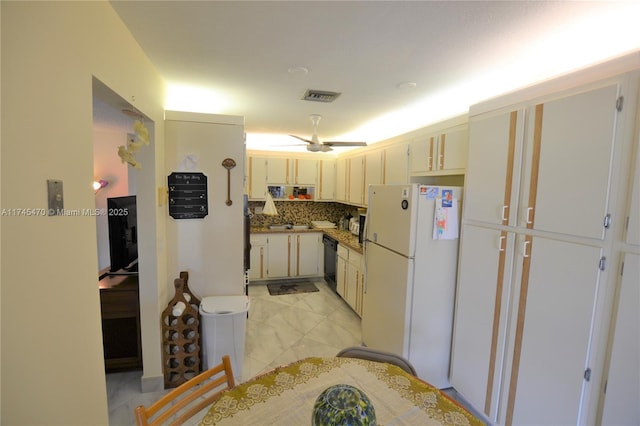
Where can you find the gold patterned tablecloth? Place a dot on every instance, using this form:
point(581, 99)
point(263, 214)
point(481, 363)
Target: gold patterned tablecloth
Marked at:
point(286, 395)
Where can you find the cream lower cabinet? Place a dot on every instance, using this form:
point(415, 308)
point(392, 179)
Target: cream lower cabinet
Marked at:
point(350, 278)
point(522, 342)
point(294, 255)
point(623, 383)
point(258, 269)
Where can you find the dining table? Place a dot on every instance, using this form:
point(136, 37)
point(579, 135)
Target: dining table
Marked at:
point(286, 395)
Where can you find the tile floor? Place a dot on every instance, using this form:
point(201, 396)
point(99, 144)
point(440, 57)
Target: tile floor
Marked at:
point(280, 329)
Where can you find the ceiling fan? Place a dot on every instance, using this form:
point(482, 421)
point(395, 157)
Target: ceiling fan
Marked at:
point(314, 145)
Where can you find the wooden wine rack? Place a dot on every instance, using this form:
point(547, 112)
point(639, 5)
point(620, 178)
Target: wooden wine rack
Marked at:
point(181, 336)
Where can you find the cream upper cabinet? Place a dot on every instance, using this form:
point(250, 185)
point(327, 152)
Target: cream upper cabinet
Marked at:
point(278, 171)
point(372, 172)
point(356, 179)
point(567, 187)
point(342, 179)
point(633, 215)
point(305, 171)
point(257, 178)
point(395, 168)
point(442, 153)
point(453, 146)
point(291, 171)
point(326, 187)
point(493, 172)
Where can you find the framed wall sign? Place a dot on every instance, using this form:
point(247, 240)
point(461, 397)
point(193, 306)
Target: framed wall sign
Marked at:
point(188, 195)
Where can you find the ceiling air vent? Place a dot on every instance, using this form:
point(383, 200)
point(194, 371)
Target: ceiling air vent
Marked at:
point(320, 96)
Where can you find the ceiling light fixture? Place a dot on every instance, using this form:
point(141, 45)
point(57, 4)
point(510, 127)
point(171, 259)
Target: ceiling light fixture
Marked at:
point(298, 70)
point(407, 85)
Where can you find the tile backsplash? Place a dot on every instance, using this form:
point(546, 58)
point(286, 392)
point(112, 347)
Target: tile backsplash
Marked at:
point(300, 212)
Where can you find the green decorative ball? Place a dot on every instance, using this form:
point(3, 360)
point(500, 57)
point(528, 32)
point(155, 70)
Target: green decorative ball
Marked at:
point(343, 405)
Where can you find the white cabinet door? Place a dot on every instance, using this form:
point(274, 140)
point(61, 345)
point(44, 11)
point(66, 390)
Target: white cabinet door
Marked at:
point(453, 147)
point(484, 285)
point(372, 172)
point(492, 176)
point(341, 271)
point(633, 217)
point(396, 164)
point(306, 254)
point(354, 280)
point(342, 179)
point(423, 155)
point(279, 256)
point(258, 270)
point(573, 139)
point(556, 302)
point(257, 178)
point(356, 180)
point(305, 171)
point(623, 384)
point(278, 171)
point(326, 180)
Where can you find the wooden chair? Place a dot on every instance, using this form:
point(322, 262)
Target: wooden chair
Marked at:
point(188, 399)
point(363, 352)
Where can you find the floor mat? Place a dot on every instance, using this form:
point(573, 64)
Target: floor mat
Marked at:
point(289, 287)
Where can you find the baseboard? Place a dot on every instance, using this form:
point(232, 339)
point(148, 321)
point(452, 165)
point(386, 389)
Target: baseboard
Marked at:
point(152, 384)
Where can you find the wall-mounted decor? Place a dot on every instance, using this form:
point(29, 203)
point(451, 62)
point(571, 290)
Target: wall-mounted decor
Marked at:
point(188, 195)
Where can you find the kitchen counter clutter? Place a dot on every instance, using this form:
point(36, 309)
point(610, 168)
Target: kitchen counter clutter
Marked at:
point(343, 237)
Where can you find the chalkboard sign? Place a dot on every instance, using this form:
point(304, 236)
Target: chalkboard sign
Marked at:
point(188, 195)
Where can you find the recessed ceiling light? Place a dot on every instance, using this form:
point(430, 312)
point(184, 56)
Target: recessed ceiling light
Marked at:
point(298, 70)
point(407, 85)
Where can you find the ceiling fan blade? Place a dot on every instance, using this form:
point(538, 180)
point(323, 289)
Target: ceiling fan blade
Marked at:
point(302, 139)
point(337, 143)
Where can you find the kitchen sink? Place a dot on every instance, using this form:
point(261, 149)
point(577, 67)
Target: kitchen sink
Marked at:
point(286, 226)
point(279, 227)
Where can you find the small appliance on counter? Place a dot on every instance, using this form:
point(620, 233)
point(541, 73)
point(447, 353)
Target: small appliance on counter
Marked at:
point(354, 225)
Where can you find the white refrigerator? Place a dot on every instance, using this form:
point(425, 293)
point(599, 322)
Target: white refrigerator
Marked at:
point(410, 249)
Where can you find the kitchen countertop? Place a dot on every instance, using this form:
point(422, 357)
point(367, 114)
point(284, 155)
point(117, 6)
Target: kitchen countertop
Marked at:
point(344, 238)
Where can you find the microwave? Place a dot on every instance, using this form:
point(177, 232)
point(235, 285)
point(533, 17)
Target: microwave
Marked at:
point(362, 219)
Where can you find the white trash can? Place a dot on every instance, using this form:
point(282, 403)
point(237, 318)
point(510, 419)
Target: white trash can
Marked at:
point(224, 322)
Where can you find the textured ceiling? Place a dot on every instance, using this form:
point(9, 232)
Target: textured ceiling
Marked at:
point(234, 56)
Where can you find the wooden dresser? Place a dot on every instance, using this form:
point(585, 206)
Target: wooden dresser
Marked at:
point(120, 309)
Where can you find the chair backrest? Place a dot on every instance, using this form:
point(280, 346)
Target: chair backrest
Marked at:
point(189, 398)
point(363, 352)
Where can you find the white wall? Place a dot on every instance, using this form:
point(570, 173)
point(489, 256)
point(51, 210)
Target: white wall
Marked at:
point(210, 249)
point(52, 361)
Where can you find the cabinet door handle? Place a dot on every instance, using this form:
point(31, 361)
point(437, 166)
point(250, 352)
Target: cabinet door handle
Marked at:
point(529, 211)
point(525, 248)
point(504, 213)
point(500, 241)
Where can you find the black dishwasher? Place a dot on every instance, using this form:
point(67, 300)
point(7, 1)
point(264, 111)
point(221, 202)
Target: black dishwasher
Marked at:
point(330, 259)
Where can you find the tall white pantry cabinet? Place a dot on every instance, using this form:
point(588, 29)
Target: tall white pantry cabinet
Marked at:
point(544, 235)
